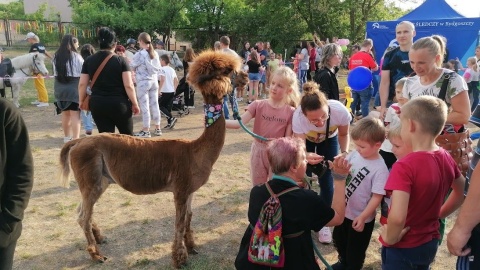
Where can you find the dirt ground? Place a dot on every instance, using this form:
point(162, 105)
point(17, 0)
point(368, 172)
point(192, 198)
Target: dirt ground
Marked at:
point(139, 229)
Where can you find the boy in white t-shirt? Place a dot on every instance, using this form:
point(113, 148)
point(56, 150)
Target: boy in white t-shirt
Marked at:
point(168, 82)
point(392, 121)
point(364, 191)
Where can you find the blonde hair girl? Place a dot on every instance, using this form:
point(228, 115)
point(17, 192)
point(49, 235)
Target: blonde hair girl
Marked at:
point(274, 120)
point(146, 64)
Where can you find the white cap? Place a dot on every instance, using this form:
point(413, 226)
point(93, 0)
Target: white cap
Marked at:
point(30, 35)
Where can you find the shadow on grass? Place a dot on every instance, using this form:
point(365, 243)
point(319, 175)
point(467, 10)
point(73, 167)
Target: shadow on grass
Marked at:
point(149, 240)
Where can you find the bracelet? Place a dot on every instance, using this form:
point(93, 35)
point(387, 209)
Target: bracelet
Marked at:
point(339, 177)
point(345, 152)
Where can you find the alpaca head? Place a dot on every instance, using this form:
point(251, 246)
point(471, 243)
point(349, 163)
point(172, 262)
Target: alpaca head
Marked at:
point(210, 74)
point(241, 80)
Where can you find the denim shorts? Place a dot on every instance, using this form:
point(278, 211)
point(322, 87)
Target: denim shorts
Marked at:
point(254, 76)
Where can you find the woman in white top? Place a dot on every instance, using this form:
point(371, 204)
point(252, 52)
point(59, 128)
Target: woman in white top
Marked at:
point(426, 57)
point(67, 66)
point(147, 65)
point(309, 122)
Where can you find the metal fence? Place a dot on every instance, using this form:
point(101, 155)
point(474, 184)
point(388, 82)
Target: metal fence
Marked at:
point(13, 32)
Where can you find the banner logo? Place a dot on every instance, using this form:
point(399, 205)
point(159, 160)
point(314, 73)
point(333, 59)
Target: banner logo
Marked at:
point(379, 26)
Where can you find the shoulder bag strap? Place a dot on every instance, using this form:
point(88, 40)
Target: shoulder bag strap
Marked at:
point(443, 89)
point(99, 70)
point(327, 130)
point(287, 190)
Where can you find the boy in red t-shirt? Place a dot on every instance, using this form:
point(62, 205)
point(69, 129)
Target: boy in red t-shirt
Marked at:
point(418, 184)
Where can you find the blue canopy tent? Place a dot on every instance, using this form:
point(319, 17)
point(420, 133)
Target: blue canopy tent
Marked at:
point(432, 17)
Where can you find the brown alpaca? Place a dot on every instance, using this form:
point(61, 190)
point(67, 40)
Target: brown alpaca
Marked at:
point(241, 80)
point(178, 166)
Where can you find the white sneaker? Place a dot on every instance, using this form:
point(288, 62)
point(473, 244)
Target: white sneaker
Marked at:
point(191, 107)
point(143, 134)
point(43, 104)
point(325, 235)
point(67, 139)
point(36, 102)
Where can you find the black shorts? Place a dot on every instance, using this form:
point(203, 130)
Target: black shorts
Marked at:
point(66, 106)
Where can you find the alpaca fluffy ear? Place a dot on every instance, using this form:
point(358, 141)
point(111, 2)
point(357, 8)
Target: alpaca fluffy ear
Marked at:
point(210, 72)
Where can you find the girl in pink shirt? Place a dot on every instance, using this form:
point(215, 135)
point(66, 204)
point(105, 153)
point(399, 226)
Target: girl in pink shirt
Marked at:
point(273, 119)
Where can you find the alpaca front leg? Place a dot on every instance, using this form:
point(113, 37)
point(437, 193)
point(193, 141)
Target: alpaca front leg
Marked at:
point(179, 252)
point(188, 237)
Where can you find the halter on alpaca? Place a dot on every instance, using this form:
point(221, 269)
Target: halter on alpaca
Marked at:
point(21, 68)
point(179, 166)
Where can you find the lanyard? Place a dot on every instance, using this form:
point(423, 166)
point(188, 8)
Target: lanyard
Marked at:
point(283, 178)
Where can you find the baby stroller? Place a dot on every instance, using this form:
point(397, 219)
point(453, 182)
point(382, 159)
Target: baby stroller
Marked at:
point(178, 99)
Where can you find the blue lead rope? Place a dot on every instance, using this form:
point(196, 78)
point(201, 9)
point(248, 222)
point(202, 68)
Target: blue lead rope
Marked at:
point(236, 115)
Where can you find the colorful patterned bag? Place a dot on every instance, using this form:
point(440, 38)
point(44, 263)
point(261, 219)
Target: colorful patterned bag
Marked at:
point(266, 243)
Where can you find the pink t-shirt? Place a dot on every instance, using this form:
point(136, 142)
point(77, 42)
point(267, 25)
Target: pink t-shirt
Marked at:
point(427, 177)
point(270, 122)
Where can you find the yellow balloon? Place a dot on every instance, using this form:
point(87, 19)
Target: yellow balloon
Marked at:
point(348, 97)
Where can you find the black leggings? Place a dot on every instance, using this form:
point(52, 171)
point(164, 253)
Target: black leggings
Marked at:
point(111, 112)
point(352, 245)
point(165, 102)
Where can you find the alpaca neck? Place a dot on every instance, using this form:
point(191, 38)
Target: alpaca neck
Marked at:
point(210, 143)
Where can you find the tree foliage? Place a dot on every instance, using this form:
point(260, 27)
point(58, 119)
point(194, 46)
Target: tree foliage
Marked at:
point(282, 22)
point(15, 10)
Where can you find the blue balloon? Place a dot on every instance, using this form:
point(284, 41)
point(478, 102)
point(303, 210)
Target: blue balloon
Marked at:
point(359, 78)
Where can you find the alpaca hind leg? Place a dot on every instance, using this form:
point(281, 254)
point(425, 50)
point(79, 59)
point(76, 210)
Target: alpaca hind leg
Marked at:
point(188, 237)
point(85, 221)
point(99, 238)
point(179, 252)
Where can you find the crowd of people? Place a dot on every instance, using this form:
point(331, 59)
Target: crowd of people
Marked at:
point(136, 78)
point(397, 162)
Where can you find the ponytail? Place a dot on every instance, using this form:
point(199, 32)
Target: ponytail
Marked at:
point(441, 42)
point(150, 50)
